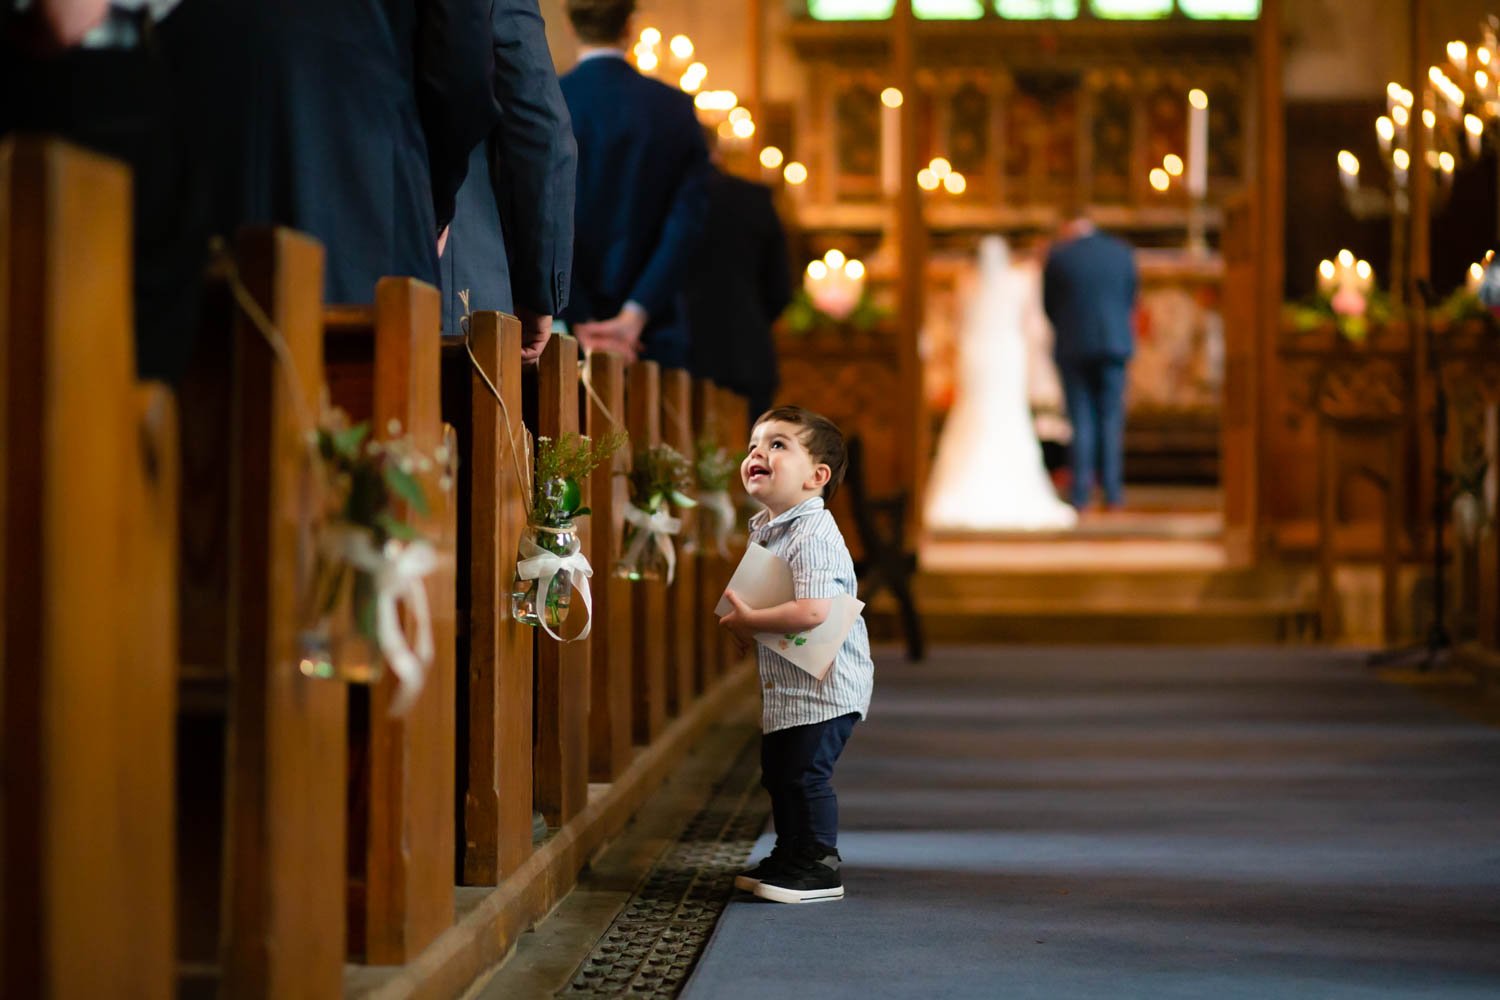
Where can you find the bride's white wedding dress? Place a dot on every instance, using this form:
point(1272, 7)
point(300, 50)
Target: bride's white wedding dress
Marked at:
point(989, 473)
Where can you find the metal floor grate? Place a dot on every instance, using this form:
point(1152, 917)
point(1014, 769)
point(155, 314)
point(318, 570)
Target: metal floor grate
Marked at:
point(655, 941)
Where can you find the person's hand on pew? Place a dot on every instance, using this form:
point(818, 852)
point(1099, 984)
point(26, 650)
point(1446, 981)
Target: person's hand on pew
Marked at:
point(536, 330)
point(619, 335)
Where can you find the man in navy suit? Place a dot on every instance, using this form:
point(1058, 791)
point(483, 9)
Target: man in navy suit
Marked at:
point(642, 169)
point(1089, 289)
point(510, 246)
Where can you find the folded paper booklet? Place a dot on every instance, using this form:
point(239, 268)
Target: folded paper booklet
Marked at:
point(764, 580)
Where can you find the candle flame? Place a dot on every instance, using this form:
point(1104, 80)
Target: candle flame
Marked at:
point(1401, 158)
point(681, 46)
point(1446, 162)
point(1326, 269)
point(771, 157)
point(891, 97)
point(834, 258)
point(1198, 99)
point(955, 183)
point(1400, 115)
point(795, 173)
point(1173, 164)
point(1160, 179)
point(940, 167)
point(1346, 258)
point(1348, 162)
point(1476, 271)
point(1473, 125)
point(1364, 270)
point(650, 36)
point(927, 180)
point(854, 270)
point(1429, 117)
point(817, 270)
point(1385, 128)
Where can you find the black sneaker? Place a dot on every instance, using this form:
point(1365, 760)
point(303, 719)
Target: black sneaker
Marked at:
point(769, 865)
point(808, 875)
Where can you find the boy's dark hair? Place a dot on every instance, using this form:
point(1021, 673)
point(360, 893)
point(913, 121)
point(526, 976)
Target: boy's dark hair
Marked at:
point(820, 436)
point(600, 22)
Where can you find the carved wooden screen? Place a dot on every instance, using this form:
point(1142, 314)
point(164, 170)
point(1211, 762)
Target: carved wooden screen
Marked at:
point(1041, 138)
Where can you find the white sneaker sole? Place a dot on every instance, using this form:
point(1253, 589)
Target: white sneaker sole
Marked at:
point(746, 882)
point(776, 894)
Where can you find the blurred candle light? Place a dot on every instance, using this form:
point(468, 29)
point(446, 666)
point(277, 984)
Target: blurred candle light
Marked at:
point(1197, 158)
point(1446, 164)
point(1160, 179)
point(817, 270)
point(955, 183)
point(1326, 275)
point(681, 46)
point(890, 140)
point(739, 114)
point(742, 129)
point(927, 180)
point(647, 62)
point(1481, 80)
point(834, 258)
point(650, 36)
point(771, 157)
point(1400, 115)
point(1475, 276)
point(1429, 118)
point(1483, 55)
point(726, 129)
point(1401, 161)
point(1385, 131)
point(1348, 170)
point(940, 167)
point(891, 97)
point(1172, 164)
point(1458, 55)
point(855, 269)
point(1346, 259)
point(1474, 132)
point(794, 173)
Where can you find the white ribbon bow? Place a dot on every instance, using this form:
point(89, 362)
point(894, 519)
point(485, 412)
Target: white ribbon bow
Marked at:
point(658, 527)
point(538, 564)
point(721, 506)
point(397, 572)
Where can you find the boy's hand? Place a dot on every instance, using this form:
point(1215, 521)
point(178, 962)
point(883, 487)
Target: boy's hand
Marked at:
point(736, 622)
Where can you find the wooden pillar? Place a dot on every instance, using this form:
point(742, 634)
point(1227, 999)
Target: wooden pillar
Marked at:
point(1268, 216)
point(649, 600)
point(1419, 269)
point(712, 570)
point(677, 431)
point(498, 678)
point(87, 594)
point(610, 747)
point(562, 674)
point(910, 235)
point(755, 45)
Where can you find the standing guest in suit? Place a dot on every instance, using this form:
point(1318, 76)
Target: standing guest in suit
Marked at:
point(511, 242)
point(642, 167)
point(738, 286)
point(1089, 288)
point(90, 71)
point(350, 120)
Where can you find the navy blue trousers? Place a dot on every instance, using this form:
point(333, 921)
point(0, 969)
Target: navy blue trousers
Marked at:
point(796, 767)
point(1095, 391)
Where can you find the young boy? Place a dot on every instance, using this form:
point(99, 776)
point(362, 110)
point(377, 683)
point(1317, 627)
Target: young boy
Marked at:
point(796, 462)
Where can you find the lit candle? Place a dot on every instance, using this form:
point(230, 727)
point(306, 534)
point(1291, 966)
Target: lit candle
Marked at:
point(1348, 170)
point(1458, 55)
point(1385, 130)
point(1475, 276)
point(1327, 274)
point(890, 140)
point(1197, 165)
point(1474, 131)
point(1401, 162)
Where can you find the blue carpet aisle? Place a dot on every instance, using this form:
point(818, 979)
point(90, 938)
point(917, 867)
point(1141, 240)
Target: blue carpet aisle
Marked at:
point(1143, 823)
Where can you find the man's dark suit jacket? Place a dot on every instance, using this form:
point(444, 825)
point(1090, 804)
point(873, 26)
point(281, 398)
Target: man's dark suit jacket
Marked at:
point(349, 120)
point(511, 241)
point(738, 285)
point(642, 167)
point(1089, 287)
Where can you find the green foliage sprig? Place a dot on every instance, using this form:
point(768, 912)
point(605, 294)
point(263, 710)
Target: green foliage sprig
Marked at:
point(714, 465)
point(1317, 310)
point(803, 317)
point(658, 474)
point(366, 477)
point(560, 466)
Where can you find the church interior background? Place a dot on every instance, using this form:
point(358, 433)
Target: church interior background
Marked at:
point(1016, 109)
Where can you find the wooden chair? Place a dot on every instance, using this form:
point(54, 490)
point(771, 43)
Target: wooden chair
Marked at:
point(885, 564)
point(88, 478)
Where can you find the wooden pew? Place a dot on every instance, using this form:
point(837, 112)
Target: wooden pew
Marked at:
point(383, 365)
point(494, 651)
point(713, 573)
point(261, 756)
point(682, 614)
point(610, 745)
point(734, 428)
point(649, 633)
point(561, 751)
point(87, 590)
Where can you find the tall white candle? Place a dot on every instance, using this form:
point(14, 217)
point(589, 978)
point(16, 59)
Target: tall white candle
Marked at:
point(1197, 166)
point(890, 140)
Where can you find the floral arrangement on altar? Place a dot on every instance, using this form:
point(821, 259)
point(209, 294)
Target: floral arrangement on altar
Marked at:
point(367, 560)
point(1346, 296)
point(803, 316)
point(659, 477)
point(833, 295)
point(1478, 298)
point(715, 468)
point(550, 548)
